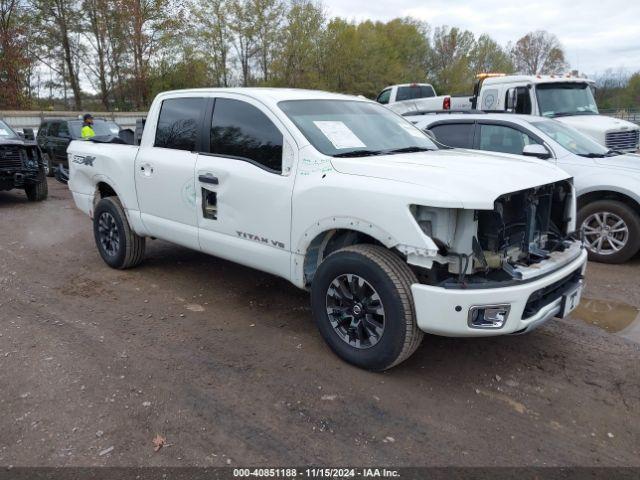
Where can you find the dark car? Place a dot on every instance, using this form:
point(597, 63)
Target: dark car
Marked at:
point(54, 136)
point(21, 164)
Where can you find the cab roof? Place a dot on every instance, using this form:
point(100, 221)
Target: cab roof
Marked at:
point(536, 79)
point(266, 93)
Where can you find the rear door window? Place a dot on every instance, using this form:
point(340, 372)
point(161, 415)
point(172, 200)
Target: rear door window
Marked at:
point(240, 130)
point(179, 123)
point(457, 135)
point(414, 91)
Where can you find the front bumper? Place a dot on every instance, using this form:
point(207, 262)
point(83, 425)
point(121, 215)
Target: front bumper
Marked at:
point(445, 311)
point(10, 179)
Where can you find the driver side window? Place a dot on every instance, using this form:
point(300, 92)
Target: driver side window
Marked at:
point(240, 130)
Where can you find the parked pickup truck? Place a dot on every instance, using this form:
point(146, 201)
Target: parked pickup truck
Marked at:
point(21, 165)
point(344, 198)
point(568, 99)
point(419, 97)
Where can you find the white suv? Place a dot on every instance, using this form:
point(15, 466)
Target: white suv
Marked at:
point(607, 182)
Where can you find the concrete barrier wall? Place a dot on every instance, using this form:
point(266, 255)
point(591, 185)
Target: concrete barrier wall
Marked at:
point(20, 120)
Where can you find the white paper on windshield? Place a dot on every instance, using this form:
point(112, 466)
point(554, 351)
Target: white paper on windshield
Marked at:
point(339, 134)
point(4, 132)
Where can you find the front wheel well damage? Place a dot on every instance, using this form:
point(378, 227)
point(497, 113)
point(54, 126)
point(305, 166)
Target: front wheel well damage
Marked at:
point(327, 242)
point(104, 190)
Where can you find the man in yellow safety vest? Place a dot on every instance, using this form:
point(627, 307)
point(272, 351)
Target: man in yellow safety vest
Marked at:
point(87, 127)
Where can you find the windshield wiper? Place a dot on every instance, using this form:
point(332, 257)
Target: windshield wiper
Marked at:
point(408, 150)
point(569, 114)
point(360, 153)
point(592, 155)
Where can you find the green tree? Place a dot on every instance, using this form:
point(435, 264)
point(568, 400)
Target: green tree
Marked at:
point(487, 56)
point(449, 64)
point(298, 60)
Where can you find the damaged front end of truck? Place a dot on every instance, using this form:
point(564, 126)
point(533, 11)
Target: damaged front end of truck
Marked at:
point(525, 235)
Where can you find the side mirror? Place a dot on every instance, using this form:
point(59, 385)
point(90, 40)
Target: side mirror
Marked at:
point(536, 150)
point(28, 134)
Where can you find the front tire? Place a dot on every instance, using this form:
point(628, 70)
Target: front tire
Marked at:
point(362, 304)
point(119, 246)
point(38, 191)
point(611, 231)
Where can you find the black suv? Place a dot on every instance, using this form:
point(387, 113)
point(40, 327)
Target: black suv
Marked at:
point(21, 164)
point(55, 135)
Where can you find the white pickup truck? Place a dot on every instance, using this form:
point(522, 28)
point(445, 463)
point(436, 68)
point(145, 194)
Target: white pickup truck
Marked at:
point(342, 197)
point(419, 97)
point(568, 99)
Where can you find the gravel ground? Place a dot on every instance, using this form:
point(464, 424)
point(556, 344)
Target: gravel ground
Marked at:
point(225, 364)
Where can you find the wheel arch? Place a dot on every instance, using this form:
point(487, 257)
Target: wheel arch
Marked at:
point(332, 234)
point(595, 195)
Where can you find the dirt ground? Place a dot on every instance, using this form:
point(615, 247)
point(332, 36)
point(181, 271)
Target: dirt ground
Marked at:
point(225, 363)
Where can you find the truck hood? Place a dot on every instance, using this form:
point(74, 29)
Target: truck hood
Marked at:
point(597, 126)
point(18, 141)
point(464, 178)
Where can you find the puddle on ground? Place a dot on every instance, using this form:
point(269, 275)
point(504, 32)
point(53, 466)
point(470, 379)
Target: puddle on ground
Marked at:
point(612, 317)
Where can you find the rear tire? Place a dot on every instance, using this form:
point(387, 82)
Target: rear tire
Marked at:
point(119, 246)
point(611, 231)
point(39, 191)
point(362, 304)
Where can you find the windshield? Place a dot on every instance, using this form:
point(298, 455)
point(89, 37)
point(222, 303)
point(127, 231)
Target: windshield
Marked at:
point(6, 131)
point(571, 139)
point(562, 99)
point(354, 128)
point(102, 128)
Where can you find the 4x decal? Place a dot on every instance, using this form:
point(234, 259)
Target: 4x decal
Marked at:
point(84, 160)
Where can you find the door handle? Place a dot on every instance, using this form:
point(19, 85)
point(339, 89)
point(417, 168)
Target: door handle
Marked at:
point(146, 169)
point(208, 178)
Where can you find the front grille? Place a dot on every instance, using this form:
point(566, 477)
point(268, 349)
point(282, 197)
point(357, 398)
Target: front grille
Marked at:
point(625, 140)
point(549, 294)
point(11, 157)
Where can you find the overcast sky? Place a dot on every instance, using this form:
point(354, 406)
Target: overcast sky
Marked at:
point(596, 34)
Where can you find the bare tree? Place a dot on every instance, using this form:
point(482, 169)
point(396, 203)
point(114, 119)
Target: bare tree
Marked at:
point(538, 53)
point(59, 19)
point(269, 15)
point(147, 23)
point(211, 30)
point(243, 28)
